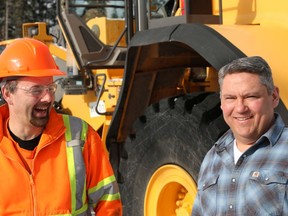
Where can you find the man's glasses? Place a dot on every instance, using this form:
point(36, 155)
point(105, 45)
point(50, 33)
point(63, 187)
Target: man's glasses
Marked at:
point(38, 91)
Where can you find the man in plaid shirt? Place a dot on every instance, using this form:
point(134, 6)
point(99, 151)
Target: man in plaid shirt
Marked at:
point(246, 171)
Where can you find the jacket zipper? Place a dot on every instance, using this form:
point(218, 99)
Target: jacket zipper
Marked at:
point(33, 190)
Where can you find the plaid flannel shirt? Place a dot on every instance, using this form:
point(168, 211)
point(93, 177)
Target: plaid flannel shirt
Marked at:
point(256, 185)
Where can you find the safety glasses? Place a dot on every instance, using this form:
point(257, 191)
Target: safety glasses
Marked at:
point(40, 90)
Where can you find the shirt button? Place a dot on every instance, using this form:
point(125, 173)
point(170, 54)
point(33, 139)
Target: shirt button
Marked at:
point(230, 206)
point(233, 180)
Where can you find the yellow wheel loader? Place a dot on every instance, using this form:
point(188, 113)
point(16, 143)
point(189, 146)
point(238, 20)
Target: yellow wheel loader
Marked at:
point(147, 82)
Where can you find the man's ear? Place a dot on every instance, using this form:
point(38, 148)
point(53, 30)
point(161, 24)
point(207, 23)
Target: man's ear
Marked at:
point(275, 96)
point(6, 95)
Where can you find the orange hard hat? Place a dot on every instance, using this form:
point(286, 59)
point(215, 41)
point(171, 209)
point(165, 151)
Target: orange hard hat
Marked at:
point(27, 57)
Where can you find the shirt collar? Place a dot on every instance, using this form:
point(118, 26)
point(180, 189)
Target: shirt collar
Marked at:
point(275, 131)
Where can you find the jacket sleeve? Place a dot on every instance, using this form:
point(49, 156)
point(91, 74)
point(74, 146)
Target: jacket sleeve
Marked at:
point(102, 187)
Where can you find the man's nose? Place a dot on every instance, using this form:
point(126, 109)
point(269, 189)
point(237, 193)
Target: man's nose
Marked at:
point(241, 105)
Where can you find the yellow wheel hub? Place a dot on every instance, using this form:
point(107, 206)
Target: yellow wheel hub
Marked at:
point(170, 192)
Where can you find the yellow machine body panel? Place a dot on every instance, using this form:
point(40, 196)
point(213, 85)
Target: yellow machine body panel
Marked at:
point(259, 28)
point(108, 30)
point(268, 42)
point(83, 106)
point(253, 12)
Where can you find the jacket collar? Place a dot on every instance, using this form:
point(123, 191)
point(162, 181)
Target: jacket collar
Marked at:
point(53, 130)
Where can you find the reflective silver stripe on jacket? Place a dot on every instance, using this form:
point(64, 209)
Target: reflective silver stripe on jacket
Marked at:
point(75, 134)
point(106, 190)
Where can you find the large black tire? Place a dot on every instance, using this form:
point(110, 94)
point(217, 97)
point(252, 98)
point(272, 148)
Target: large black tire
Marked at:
point(176, 131)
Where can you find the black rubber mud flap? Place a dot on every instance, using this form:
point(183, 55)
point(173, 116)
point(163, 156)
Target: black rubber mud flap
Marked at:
point(165, 49)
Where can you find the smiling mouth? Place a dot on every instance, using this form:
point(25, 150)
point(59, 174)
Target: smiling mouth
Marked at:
point(42, 110)
point(243, 118)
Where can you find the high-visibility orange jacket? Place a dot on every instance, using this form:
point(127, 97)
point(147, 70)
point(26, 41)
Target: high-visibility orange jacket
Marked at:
point(56, 183)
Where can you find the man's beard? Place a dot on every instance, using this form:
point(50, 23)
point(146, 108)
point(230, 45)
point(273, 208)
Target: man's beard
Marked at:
point(40, 122)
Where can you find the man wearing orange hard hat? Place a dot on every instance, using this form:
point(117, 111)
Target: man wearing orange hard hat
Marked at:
point(50, 164)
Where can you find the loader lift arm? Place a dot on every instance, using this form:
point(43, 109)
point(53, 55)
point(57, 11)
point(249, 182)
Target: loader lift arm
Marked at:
point(89, 52)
